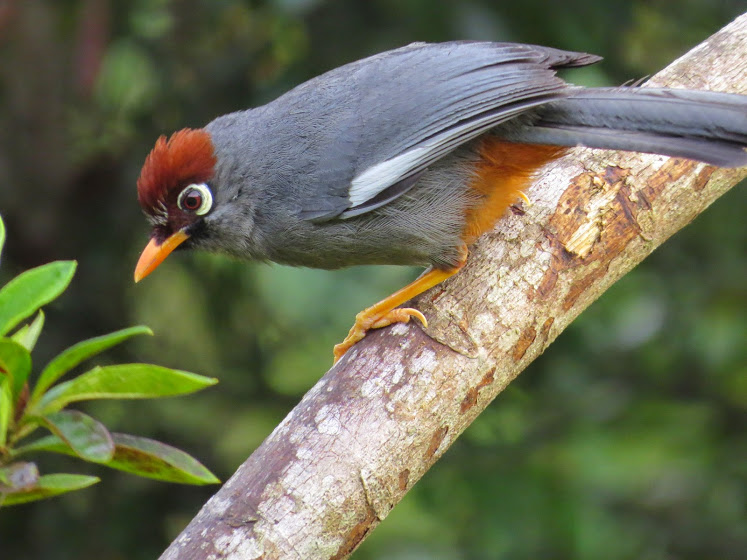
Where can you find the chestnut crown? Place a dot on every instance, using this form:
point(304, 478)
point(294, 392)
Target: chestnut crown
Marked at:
point(172, 188)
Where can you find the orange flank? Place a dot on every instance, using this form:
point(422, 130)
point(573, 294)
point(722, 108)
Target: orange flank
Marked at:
point(504, 171)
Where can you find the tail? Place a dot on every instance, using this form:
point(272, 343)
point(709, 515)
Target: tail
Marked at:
point(700, 125)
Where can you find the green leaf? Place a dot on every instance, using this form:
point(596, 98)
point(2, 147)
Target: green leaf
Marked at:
point(153, 459)
point(140, 456)
point(48, 486)
point(126, 381)
point(15, 361)
point(74, 355)
point(2, 235)
point(51, 444)
point(27, 335)
point(28, 291)
point(6, 408)
point(87, 438)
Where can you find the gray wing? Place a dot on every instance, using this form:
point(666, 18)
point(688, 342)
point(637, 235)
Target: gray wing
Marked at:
point(388, 117)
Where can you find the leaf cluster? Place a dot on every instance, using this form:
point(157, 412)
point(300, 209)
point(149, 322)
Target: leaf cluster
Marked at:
point(27, 406)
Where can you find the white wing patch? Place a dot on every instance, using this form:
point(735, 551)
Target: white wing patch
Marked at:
point(382, 175)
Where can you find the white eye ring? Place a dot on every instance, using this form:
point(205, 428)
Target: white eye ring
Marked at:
point(199, 204)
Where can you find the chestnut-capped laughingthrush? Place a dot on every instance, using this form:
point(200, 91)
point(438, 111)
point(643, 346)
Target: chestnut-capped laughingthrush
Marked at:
point(406, 157)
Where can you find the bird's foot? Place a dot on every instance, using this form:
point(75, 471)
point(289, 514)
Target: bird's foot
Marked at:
point(366, 321)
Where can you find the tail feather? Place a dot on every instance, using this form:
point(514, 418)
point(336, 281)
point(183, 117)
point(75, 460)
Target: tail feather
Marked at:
point(705, 126)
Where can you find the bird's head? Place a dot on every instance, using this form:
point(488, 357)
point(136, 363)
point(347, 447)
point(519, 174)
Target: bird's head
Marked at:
point(175, 194)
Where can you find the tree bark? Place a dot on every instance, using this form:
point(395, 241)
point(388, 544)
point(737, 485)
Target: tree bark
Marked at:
point(374, 424)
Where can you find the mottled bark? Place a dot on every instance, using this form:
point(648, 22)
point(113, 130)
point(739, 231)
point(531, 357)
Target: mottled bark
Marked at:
point(372, 426)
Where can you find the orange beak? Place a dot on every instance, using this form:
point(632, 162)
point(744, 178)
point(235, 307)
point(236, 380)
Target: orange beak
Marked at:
point(154, 254)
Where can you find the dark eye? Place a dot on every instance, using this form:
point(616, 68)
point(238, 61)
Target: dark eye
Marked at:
point(196, 199)
point(192, 200)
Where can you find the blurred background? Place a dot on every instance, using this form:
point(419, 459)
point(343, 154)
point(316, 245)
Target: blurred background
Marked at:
point(625, 440)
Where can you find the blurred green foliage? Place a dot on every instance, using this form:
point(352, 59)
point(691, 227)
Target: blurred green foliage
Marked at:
point(625, 440)
point(28, 402)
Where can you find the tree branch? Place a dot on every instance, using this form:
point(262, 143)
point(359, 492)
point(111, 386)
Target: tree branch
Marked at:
point(374, 424)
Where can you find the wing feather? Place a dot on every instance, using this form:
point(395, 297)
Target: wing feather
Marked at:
point(396, 113)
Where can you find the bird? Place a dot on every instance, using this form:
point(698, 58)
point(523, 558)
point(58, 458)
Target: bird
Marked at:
point(406, 157)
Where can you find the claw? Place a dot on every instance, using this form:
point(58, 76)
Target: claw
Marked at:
point(399, 315)
point(365, 322)
point(525, 198)
point(387, 311)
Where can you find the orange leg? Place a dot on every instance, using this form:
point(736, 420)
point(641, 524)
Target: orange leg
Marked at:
point(505, 169)
point(387, 311)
